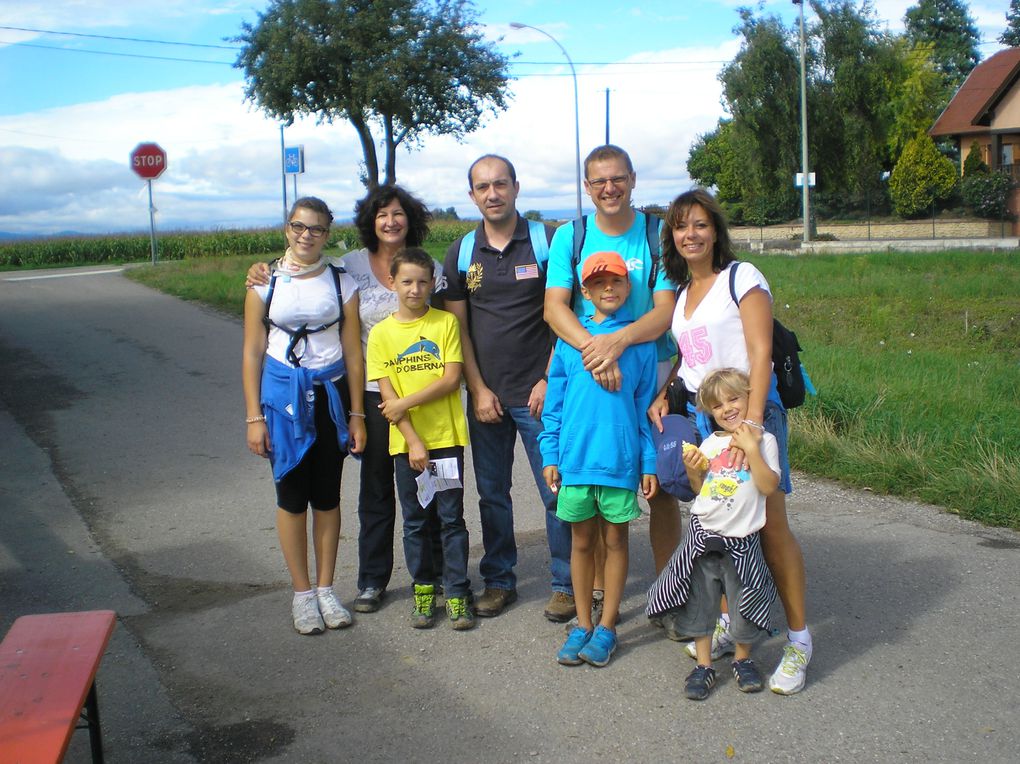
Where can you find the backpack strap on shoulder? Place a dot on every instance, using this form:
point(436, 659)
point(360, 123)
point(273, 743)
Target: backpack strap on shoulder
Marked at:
point(580, 231)
point(539, 242)
point(652, 227)
point(733, 281)
point(269, 295)
point(467, 247)
point(336, 270)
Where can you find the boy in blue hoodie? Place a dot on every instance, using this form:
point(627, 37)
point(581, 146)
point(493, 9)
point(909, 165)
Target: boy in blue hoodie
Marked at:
point(597, 453)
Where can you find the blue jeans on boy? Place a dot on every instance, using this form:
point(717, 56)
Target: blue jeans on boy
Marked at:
point(449, 506)
point(492, 451)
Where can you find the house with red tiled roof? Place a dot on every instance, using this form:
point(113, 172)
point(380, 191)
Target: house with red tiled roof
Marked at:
point(986, 109)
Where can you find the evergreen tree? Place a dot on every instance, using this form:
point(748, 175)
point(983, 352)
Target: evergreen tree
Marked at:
point(1011, 36)
point(949, 27)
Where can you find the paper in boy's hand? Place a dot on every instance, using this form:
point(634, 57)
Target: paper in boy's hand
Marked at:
point(442, 475)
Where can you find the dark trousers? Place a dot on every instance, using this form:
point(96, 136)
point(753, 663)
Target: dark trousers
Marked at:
point(419, 537)
point(377, 503)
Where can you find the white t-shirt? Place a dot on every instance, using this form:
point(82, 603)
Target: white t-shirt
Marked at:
point(310, 301)
point(376, 301)
point(713, 337)
point(729, 502)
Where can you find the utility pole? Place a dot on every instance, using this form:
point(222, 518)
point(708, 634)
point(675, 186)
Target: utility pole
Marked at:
point(607, 116)
point(806, 187)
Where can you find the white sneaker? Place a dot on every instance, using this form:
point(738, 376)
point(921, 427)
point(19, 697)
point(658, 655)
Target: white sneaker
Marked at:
point(335, 615)
point(722, 643)
point(306, 615)
point(791, 673)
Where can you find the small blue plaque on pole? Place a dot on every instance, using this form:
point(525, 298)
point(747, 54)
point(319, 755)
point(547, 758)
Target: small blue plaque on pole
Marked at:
point(294, 160)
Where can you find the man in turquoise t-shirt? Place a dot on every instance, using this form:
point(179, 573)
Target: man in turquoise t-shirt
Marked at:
point(616, 227)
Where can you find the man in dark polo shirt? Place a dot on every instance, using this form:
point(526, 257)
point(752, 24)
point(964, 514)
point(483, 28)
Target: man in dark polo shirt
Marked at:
point(496, 288)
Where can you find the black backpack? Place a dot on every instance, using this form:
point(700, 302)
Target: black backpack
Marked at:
point(651, 237)
point(785, 361)
point(303, 331)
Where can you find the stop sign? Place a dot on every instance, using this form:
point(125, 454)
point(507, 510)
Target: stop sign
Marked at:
point(148, 160)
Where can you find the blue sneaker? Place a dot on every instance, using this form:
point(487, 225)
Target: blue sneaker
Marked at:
point(577, 639)
point(600, 647)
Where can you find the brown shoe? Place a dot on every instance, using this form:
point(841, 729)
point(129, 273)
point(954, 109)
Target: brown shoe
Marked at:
point(560, 607)
point(494, 601)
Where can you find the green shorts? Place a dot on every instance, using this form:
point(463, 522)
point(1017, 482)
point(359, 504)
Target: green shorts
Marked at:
point(575, 503)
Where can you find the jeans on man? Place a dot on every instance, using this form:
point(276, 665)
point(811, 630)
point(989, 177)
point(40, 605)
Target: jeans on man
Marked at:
point(492, 451)
point(448, 505)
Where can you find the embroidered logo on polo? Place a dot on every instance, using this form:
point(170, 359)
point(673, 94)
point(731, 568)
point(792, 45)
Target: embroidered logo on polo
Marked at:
point(473, 277)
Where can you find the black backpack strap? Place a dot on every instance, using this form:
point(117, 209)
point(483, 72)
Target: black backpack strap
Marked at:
point(269, 293)
point(336, 271)
point(654, 247)
point(733, 281)
point(302, 332)
point(580, 231)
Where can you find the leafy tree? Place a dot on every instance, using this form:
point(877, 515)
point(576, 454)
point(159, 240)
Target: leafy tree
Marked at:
point(974, 164)
point(717, 159)
point(921, 177)
point(533, 215)
point(987, 194)
point(765, 131)
point(1011, 36)
point(407, 67)
point(856, 65)
point(917, 98)
point(948, 26)
point(450, 213)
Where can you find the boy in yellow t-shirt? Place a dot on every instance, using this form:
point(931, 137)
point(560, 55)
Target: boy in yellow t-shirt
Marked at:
point(415, 354)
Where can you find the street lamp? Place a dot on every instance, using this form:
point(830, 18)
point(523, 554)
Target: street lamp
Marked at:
point(805, 186)
point(577, 118)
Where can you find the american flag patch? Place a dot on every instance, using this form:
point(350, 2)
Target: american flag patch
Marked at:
point(526, 271)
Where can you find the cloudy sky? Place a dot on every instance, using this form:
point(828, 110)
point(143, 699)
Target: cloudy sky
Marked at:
point(77, 98)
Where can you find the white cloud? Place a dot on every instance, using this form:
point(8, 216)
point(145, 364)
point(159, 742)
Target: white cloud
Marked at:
point(71, 163)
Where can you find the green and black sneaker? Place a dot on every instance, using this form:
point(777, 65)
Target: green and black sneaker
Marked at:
point(423, 615)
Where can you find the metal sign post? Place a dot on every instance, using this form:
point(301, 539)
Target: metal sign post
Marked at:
point(294, 163)
point(148, 161)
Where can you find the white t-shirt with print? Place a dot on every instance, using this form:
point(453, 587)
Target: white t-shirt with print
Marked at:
point(713, 337)
point(729, 503)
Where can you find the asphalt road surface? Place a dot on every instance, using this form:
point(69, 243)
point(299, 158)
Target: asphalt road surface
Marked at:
point(125, 484)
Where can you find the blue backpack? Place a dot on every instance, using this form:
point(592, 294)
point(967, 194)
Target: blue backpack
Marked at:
point(539, 245)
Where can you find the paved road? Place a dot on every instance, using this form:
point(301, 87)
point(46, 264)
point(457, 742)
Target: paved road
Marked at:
point(125, 484)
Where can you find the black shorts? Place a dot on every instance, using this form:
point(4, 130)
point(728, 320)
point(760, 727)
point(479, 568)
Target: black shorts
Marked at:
point(315, 480)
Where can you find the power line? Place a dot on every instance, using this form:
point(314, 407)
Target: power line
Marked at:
point(120, 55)
point(123, 39)
point(238, 47)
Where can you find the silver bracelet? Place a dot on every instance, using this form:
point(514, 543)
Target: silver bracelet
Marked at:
point(355, 413)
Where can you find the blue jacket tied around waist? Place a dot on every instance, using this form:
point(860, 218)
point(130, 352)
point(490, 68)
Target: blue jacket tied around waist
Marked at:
point(288, 402)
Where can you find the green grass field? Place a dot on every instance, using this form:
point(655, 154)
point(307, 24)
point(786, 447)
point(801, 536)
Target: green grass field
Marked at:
point(916, 356)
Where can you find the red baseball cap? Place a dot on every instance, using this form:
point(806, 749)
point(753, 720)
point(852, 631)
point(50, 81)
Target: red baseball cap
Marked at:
point(603, 262)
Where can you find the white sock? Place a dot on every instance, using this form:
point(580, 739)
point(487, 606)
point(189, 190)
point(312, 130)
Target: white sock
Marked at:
point(323, 590)
point(298, 596)
point(802, 637)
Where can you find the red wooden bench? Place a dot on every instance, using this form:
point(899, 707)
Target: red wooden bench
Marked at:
point(48, 667)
